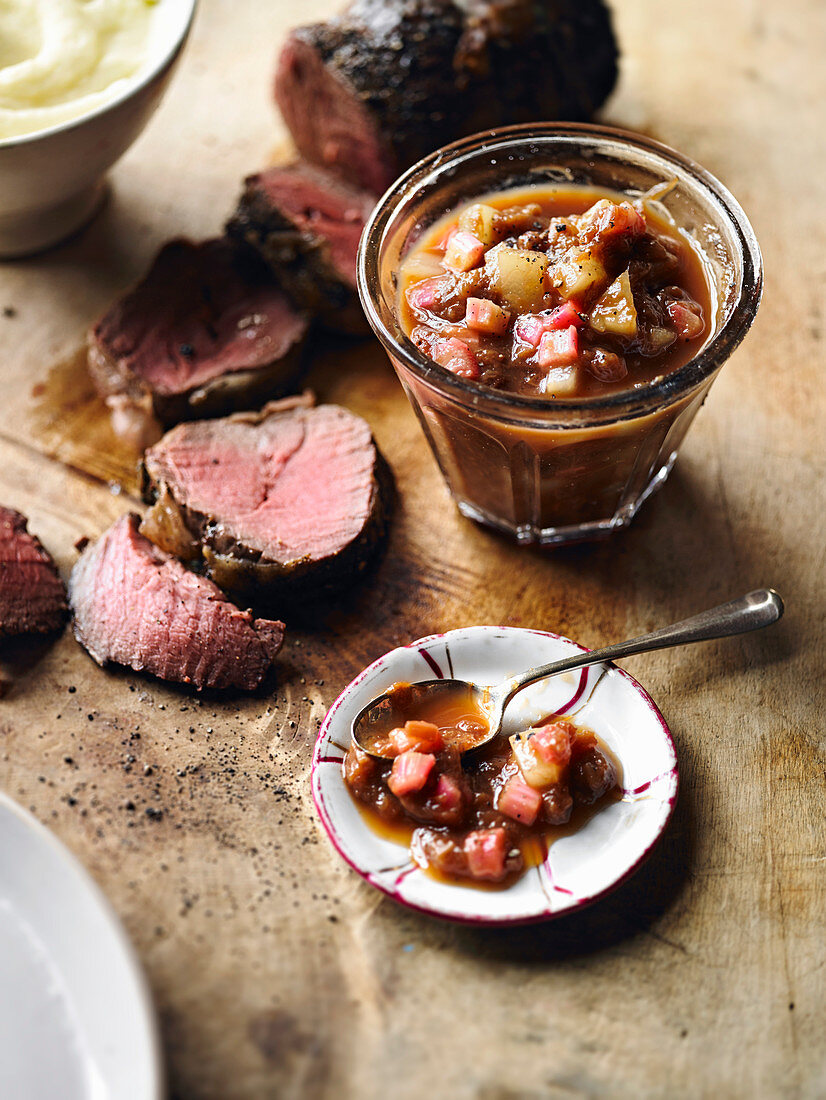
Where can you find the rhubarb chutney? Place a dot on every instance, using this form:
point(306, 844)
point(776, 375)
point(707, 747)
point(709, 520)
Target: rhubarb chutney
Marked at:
point(559, 293)
point(479, 816)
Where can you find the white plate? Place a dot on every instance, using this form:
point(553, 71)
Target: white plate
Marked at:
point(580, 868)
point(76, 1018)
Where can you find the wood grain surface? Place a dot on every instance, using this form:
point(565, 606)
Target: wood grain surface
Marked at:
point(276, 971)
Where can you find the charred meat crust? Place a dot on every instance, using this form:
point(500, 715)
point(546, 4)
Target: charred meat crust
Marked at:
point(32, 593)
point(246, 574)
point(422, 73)
point(300, 257)
point(201, 289)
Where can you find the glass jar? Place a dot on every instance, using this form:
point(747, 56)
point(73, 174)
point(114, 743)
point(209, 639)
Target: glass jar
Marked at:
point(556, 471)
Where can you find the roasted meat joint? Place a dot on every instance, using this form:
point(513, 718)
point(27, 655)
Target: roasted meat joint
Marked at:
point(373, 90)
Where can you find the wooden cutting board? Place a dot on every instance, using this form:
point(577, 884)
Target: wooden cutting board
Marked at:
point(276, 971)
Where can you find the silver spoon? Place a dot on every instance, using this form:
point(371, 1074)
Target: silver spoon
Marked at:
point(751, 612)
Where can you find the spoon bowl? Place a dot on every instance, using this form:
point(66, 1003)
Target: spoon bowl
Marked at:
point(470, 715)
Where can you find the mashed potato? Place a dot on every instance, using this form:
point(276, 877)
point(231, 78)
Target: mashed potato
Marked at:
point(60, 59)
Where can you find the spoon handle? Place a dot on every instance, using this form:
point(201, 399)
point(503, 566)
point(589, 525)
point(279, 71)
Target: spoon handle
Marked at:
point(751, 612)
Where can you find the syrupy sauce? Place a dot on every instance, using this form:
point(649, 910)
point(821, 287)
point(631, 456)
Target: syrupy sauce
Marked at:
point(690, 275)
point(535, 846)
point(69, 421)
point(484, 771)
point(453, 709)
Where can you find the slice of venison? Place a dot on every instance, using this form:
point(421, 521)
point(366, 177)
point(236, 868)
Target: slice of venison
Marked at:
point(288, 503)
point(305, 224)
point(136, 605)
point(205, 332)
point(32, 594)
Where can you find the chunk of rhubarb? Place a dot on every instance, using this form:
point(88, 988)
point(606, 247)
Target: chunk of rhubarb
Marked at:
point(552, 743)
point(464, 251)
point(531, 327)
point(455, 356)
point(559, 348)
point(448, 796)
point(518, 800)
point(427, 295)
point(415, 735)
point(540, 762)
point(686, 318)
point(410, 772)
point(486, 850)
point(485, 316)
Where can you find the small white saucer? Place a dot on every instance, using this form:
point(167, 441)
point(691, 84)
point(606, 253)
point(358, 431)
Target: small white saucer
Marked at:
point(580, 868)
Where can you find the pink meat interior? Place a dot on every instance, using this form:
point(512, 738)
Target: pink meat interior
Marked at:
point(322, 206)
point(197, 316)
point(329, 123)
point(31, 591)
point(138, 606)
point(296, 486)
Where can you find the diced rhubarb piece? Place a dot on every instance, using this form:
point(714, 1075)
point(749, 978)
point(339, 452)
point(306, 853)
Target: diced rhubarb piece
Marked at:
point(486, 316)
point(564, 316)
point(543, 754)
point(448, 794)
point(519, 801)
point(455, 356)
point(448, 237)
point(531, 327)
point(686, 318)
point(552, 743)
point(539, 771)
point(410, 772)
point(559, 348)
point(464, 251)
point(419, 736)
point(427, 295)
point(486, 850)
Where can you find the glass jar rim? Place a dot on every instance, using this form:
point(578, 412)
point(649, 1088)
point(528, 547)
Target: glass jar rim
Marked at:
point(618, 405)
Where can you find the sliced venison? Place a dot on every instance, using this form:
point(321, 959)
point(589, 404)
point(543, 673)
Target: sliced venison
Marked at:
point(32, 594)
point(206, 331)
point(306, 224)
point(136, 605)
point(372, 91)
point(288, 502)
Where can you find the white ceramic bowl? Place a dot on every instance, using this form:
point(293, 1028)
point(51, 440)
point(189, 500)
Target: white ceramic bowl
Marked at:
point(51, 181)
point(580, 868)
